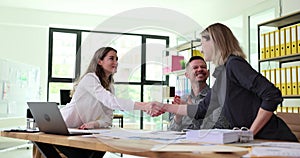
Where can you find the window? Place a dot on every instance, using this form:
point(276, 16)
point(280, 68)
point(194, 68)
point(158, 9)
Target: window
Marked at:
point(70, 52)
point(64, 54)
point(62, 63)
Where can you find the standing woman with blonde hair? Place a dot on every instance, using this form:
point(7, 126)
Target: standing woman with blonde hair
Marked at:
point(240, 96)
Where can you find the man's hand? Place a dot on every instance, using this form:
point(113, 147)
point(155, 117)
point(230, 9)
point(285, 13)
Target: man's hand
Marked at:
point(178, 100)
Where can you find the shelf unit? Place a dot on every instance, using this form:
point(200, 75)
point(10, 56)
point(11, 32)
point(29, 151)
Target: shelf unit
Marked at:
point(279, 24)
point(185, 46)
point(189, 47)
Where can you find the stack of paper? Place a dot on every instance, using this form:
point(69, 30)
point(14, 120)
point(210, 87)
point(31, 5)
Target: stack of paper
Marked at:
point(276, 149)
point(158, 136)
point(197, 148)
point(216, 136)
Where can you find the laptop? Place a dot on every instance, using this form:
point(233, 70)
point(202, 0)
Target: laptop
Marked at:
point(49, 119)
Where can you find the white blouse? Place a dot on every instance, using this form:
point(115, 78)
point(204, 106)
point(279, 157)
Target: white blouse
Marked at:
point(91, 102)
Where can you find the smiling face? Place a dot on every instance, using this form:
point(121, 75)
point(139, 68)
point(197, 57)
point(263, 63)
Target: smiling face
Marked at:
point(197, 71)
point(109, 63)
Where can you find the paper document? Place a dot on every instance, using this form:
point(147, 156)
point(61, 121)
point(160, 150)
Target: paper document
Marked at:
point(280, 144)
point(93, 131)
point(197, 148)
point(159, 136)
point(275, 151)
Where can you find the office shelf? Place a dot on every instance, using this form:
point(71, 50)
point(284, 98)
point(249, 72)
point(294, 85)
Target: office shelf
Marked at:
point(283, 21)
point(186, 46)
point(288, 82)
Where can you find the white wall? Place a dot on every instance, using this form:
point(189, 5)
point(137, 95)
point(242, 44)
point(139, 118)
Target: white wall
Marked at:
point(24, 32)
point(24, 35)
point(290, 6)
point(24, 39)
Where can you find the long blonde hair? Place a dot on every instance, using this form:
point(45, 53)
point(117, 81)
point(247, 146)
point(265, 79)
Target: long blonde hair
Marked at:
point(100, 54)
point(225, 43)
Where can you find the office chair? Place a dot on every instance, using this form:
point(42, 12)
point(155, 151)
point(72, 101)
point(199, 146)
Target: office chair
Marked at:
point(65, 96)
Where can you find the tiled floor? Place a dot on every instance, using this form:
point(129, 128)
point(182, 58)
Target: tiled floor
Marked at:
point(24, 149)
point(14, 148)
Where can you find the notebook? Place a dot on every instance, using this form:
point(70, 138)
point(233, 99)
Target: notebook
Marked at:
point(49, 119)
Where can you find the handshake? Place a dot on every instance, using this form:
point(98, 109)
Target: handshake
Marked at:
point(178, 107)
point(155, 108)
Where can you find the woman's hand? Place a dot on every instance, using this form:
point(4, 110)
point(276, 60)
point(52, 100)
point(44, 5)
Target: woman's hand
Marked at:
point(90, 125)
point(154, 109)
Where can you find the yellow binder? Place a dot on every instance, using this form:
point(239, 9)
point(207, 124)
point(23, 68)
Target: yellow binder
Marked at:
point(294, 80)
point(262, 46)
point(282, 42)
point(288, 41)
point(277, 43)
point(298, 38)
point(273, 76)
point(267, 45)
point(298, 73)
point(278, 78)
point(289, 80)
point(263, 72)
point(272, 44)
point(197, 53)
point(294, 39)
point(283, 81)
point(268, 75)
point(298, 77)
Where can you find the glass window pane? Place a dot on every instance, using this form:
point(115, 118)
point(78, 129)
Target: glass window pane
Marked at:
point(129, 53)
point(54, 90)
point(154, 93)
point(133, 92)
point(64, 55)
point(154, 53)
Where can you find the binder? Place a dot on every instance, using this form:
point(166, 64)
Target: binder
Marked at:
point(272, 44)
point(294, 39)
point(283, 81)
point(294, 80)
point(277, 43)
point(289, 81)
point(197, 53)
point(273, 76)
point(288, 41)
point(262, 46)
point(263, 72)
point(278, 78)
point(298, 73)
point(282, 42)
point(268, 74)
point(298, 39)
point(267, 45)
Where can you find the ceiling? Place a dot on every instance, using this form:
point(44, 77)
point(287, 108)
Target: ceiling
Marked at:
point(181, 17)
point(200, 10)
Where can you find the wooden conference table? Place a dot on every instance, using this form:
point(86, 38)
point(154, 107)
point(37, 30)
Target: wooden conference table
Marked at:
point(125, 146)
